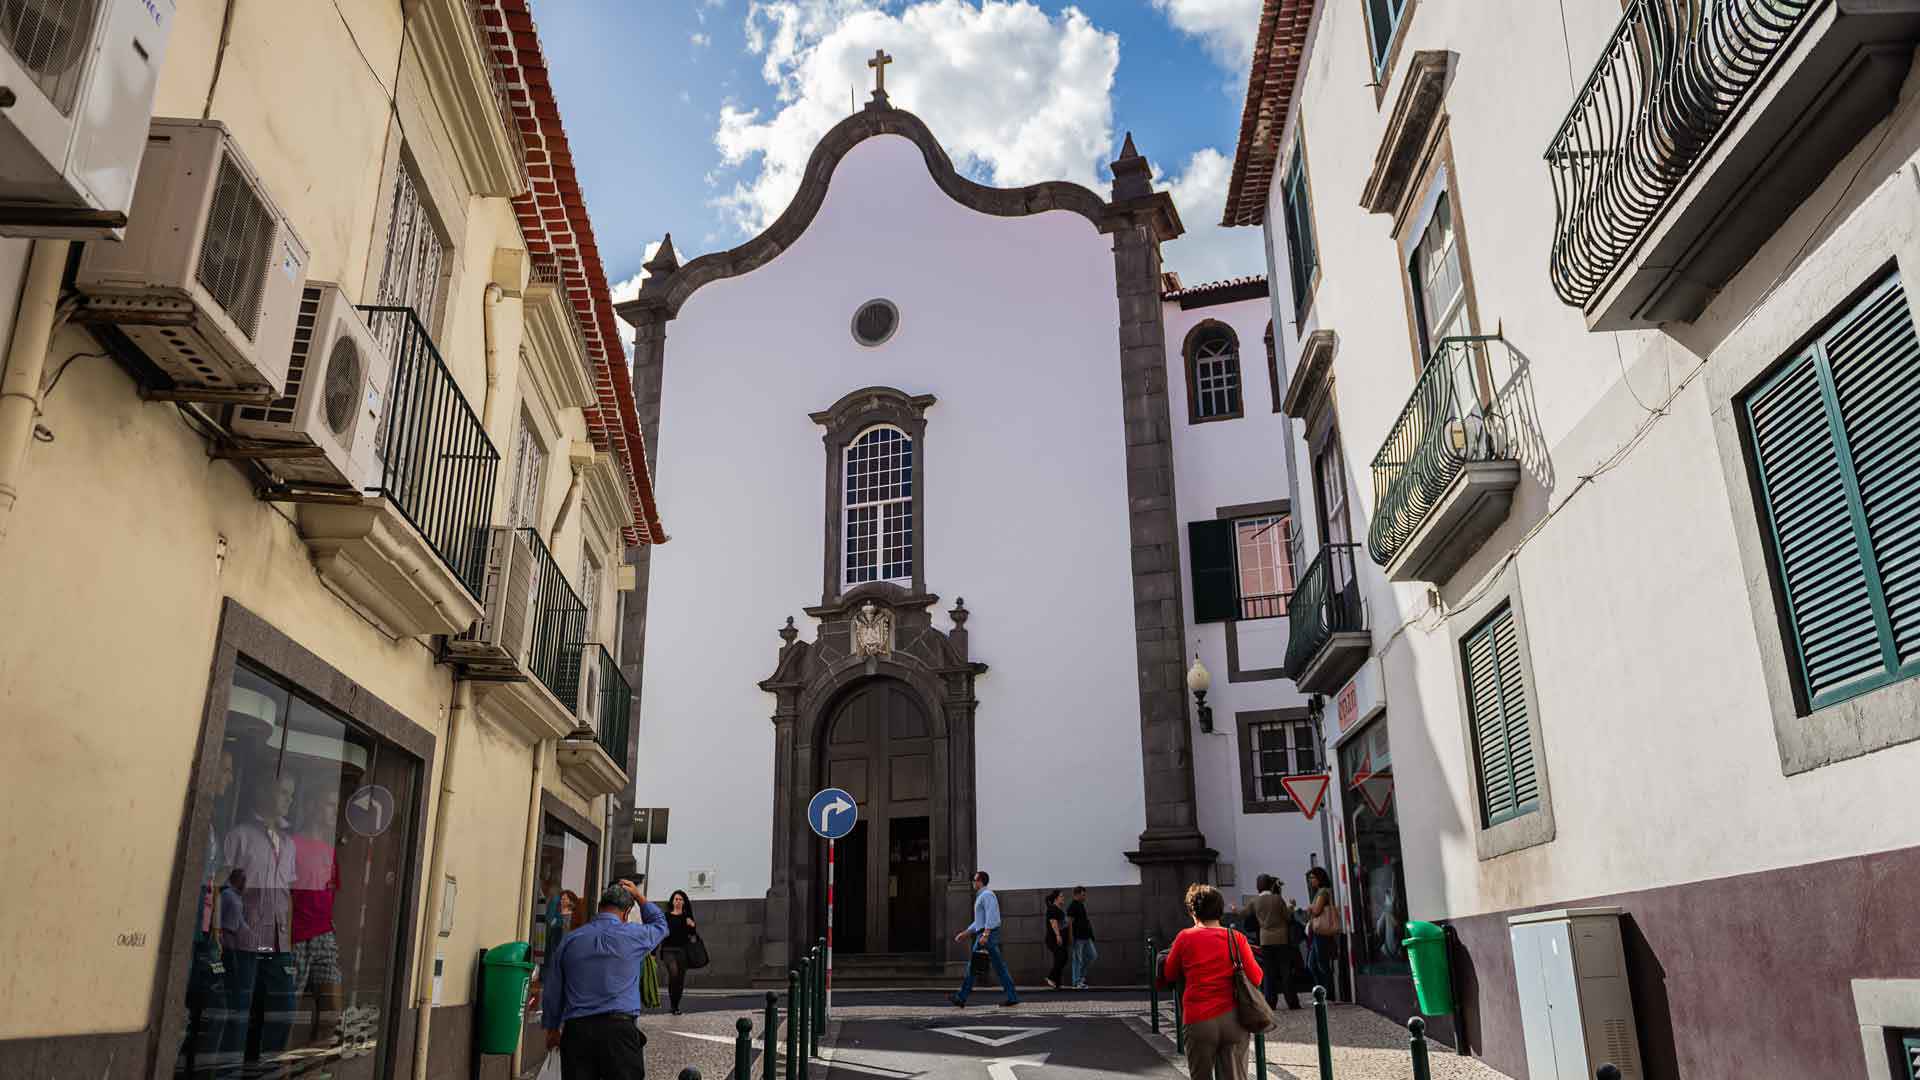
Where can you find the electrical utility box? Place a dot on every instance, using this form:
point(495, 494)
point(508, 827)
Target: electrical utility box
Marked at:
point(1576, 1009)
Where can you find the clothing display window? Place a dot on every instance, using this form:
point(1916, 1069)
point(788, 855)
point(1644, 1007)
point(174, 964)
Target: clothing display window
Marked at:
point(1377, 879)
point(300, 891)
point(565, 896)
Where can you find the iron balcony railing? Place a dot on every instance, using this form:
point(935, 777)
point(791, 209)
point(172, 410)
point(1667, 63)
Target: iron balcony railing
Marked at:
point(437, 465)
point(1454, 416)
point(1671, 78)
point(616, 701)
point(1326, 601)
point(559, 626)
point(1268, 606)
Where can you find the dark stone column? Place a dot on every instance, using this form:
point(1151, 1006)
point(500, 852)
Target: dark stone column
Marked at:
point(649, 352)
point(1172, 851)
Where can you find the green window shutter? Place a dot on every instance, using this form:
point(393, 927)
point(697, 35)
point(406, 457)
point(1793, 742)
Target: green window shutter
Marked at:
point(1497, 704)
point(1832, 433)
point(1216, 597)
point(1302, 258)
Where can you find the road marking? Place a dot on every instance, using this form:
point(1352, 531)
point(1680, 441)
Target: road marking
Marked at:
point(1003, 1069)
point(978, 1034)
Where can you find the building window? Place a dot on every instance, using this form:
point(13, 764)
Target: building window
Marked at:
point(1213, 373)
point(1330, 489)
point(1498, 720)
point(1831, 435)
point(416, 258)
point(1274, 745)
point(1439, 285)
point(879, 507)
point(590, 590)
point(529, 474)
point(1241, 567)
point(1906, 1059)
point(1303, 257)
point(1383, 18)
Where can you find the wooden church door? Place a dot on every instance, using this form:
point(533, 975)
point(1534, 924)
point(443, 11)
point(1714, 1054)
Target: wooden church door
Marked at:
point(880, 750)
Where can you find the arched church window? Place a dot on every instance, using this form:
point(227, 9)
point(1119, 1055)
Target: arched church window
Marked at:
point(1213, 373)
point(879, 506)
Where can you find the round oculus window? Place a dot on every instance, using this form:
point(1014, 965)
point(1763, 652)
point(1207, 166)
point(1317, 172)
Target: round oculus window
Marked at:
point(875, 322)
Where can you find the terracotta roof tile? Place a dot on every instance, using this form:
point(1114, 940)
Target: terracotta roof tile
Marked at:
point(1277, 52)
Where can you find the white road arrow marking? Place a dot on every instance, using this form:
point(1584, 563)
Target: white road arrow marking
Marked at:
point(977, 1034)
point(1003, 1069)
point(836, 806)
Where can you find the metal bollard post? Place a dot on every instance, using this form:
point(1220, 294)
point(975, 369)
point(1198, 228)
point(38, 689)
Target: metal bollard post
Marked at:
point(743, 1048)
point(1417, 1045)
point(770, 1038)
point(793, 1025)
point(1320, 1032)
point(1260, 1055)
point(1179, 1021)
point(1608, 1072)
point(1153, 987)
point(802, 1015)
point(819, 993)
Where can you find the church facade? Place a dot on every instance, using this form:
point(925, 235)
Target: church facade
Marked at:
point(924, 434)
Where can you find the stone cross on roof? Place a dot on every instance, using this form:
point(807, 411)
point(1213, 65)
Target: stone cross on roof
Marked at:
point(879, 65)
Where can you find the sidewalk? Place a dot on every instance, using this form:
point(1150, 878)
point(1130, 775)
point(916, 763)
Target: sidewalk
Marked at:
point(1366, 1046)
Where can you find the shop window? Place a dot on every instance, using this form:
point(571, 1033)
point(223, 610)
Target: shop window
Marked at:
point(300, 894)
point(565, 892)
point(1378, 880)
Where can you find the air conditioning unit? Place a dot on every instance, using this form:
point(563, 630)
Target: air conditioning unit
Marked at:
point(337, 377)
point(1576, 1008)
point(208, 280)
point(501, 641)
point(587, 707)
point(76, 90)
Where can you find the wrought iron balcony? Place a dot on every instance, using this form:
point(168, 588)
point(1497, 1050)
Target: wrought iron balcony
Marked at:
point(437, 465)
point(558, 626)
point(1327, 628)
point(616, 702)
point(1444, 478)
point(593, 758)
point(1702, 126)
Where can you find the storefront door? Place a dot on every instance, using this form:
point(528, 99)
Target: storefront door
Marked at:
point(1378, 879)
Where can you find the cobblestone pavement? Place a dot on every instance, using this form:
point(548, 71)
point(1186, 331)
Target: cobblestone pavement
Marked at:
point(1366, 1046)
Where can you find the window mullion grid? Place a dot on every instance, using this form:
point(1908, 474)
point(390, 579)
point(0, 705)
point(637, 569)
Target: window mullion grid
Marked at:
point(1856, 511)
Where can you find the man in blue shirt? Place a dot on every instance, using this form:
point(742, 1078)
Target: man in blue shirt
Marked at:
point(592, 998)
point(986, 930)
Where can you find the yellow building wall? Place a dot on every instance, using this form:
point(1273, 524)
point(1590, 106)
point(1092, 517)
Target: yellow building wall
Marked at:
point(114, 570)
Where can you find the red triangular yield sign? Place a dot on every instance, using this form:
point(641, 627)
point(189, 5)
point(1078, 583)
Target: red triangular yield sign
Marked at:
point(1377, 790)
point(1306, 791)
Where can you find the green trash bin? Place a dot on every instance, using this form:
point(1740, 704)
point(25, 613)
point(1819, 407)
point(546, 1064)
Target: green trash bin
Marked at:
point(504, 975)
point(1426, 946)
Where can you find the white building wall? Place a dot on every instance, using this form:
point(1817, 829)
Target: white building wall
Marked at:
point(1657, 730)
point(1010, 323)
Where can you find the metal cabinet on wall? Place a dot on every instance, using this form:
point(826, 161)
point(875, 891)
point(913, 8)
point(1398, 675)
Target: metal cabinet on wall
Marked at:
point(1576, 1008)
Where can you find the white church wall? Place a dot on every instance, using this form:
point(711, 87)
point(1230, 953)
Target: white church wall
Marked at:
point(1010, 324)
point(1218, 464)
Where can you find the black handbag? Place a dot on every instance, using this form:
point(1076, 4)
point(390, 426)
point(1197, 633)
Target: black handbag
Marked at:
point(978, 961)
point(697, 957)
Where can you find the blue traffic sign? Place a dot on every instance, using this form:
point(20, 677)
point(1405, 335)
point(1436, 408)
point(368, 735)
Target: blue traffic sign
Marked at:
point(832, 813)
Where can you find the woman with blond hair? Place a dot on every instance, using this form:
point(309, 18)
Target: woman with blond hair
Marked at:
point(1202, 962)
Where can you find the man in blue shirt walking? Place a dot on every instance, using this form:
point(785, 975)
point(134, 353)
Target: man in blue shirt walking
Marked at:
point(986, 930)
point(592, 997)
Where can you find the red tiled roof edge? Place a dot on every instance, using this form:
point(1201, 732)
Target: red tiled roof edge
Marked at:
point(1276, 69)
point(553, 219)
point(1213, 286)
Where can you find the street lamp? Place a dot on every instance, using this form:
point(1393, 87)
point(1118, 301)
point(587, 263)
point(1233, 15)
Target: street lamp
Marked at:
point(1199, 681)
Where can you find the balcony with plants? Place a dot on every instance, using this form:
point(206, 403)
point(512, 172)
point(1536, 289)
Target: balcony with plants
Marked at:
point(410, 550)
point(593, 758)
point(1328, 638)
point(1701, 128)
point(1444, 478)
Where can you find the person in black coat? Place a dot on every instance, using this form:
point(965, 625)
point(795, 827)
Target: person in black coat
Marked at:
point(1057, 936)
point(673, 952)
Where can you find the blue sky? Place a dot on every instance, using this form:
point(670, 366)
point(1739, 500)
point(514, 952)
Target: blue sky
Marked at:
point(693, 116)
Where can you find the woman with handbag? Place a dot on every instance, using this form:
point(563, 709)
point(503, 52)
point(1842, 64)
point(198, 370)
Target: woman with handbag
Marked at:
point(677, 952)
point(1323, 927)
point(1218, 976)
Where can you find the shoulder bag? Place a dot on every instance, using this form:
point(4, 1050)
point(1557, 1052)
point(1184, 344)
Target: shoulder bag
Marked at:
point(1327, 923)
point(697, 956)
point(1250, 1009)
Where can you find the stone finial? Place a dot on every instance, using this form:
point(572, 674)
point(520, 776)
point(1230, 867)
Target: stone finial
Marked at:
point(1132, 176)
point(959, 614)
point(664, 261)
point(789, 632)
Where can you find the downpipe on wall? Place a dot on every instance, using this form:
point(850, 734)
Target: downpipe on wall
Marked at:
point(33, 328)
point(436, 873)
point(529, 855)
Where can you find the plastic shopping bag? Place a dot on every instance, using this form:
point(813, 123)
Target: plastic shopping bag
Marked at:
point(550, 1069)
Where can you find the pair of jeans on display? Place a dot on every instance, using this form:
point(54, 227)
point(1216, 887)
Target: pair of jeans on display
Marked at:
point(992, 949)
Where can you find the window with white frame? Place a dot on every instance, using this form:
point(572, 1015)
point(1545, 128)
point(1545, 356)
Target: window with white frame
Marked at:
point(879, 507)
point(1263, 558)
point(1439, 286)
point(529, 471)
point(1383, 18)
point(1273, 746)
point(1213, 375)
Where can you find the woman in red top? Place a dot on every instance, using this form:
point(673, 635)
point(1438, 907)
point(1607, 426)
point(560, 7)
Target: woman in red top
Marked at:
point(1201, 962)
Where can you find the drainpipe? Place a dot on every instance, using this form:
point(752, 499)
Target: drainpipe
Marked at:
point(530, 855)
point(487, 306)
point(26, 362)
point(579, 465)
point(436, 874)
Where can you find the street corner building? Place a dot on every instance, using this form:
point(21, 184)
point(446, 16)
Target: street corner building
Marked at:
point(931, 450)
point(1602, 355)
point(319, 471)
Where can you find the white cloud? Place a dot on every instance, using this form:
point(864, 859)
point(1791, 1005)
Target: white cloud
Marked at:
point(628, 290)
point(1208, 251)
point(1015, 95)
point(1226, 27)
point(701, 40)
